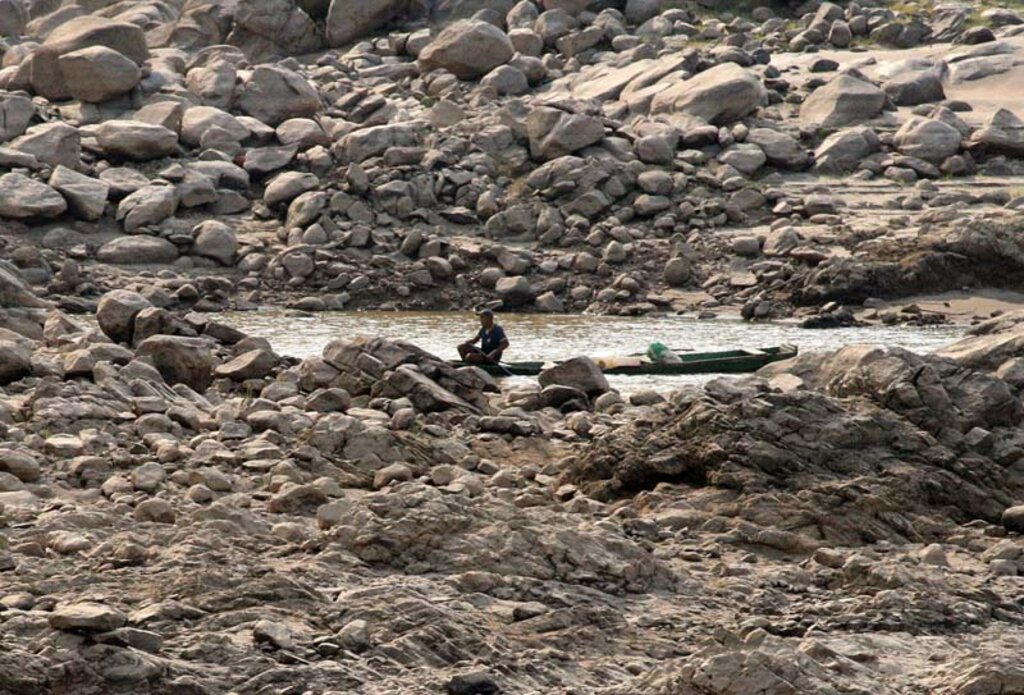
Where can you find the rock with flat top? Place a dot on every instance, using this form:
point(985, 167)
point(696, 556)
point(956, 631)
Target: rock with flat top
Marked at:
point(86, 616)
point(136, 140)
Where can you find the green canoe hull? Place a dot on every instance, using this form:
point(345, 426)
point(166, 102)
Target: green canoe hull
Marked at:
point(725, 362)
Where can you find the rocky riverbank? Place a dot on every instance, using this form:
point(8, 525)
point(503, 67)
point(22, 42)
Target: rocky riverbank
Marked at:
point(794, 160)
point(183, 510)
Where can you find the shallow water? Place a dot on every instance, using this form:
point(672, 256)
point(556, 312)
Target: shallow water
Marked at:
point(548, 337)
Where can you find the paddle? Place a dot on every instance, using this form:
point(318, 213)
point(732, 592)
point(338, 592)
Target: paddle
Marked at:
point(500, 366)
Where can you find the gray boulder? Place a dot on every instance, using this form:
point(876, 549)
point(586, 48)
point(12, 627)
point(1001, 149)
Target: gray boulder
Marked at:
point(841, 152)
point(13, 17)
point(468, 49)
point(928, 139)
point(720, 95)
point(554, 133)
point(198, 120)
point(140, 249)
point(180, 360)
point(580, 373)
point(23, 198)
point(86, 196)
point(46, 74)
point(846, 100)
point(514, 290)
point(1002, 133)
point(135, 140)
point(15, 363)
point(147, 206)
point(98, 73)
point(915, 87)
point(215, 240)
point(678, 272)
point(16, 112)
point(116, 314)
point(782, 150)
point(351, 20)
point(274, 94)
point(287, 186)
point(51, 143)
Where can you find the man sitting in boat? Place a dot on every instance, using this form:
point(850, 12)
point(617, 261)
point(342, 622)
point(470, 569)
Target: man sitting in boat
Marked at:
point(492, 342)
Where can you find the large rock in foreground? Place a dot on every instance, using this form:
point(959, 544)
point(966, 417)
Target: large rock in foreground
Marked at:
point(468, 49)
point(720, 95)
point(580, 373)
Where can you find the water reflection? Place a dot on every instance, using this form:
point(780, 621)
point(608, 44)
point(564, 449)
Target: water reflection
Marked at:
point(547, 337)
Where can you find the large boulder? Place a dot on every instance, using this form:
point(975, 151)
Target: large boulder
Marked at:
point(45, 71)
point(927, 139)
point(140, 249)
point(846, 100)
point(720, 95)
point(841, 152)
point(22, 198)
point(135, 140)
point(274, 94)
point(351, 20)
point(580, 373)
point(116, 314)
point(180, 360)
point(86, 196)
point(147, 206)
point(98, 73)
point(555, 133)
point(468, 49)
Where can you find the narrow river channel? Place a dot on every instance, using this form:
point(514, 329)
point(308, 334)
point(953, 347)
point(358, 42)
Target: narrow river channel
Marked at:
point(551, 337)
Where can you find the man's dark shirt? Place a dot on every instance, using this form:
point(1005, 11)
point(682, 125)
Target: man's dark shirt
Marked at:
point(491, 340)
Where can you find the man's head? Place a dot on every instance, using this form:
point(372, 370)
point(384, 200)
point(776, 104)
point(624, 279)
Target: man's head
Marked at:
point(486, 318)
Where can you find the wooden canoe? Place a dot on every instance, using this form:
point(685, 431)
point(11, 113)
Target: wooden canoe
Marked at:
point(724, 362)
